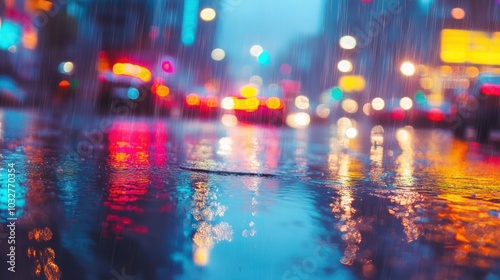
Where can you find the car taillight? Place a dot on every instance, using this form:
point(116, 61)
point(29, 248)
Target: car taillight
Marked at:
point(435, 115)
point(490, 89)
point(133, 70)
point(212, 101)
point(192, 100)
point(64, 84)
point(103, 62)
point(274, 103)
point(398, 114)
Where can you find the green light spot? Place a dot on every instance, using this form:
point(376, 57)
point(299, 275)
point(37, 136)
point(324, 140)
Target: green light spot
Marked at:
point(264, 58)
point(337, 93)
point(420, 98)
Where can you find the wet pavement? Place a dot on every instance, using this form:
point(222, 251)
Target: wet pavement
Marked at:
point(145, 198)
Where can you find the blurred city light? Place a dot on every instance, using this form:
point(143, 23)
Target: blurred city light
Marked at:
point(351, 83)
point(285, 69)
point(322, 111)
point(426, 83)
point(30, 39)
point(256, 50)
point(407, 68)
point(347, 42)
point(351, 132)
point(167, 66)
point(189, 22)
point(302, 102)
point(251, 104)
point(298, 120)
point(420, 98)
point(64, 84)
point(133, 93)
point(229, 120)
point(256, 81)
point(207, 14)
point(465, 46)
point(66, 67)
point(406, 103)
point(378, 103)
point(264, 58)
point(336, 94)
point(228, 103)
point(162, 91)
point(457, 13)
point(218, 54)
point(366, 109)
point(12, 49)
point(472, 72)
point(273, 103)
point(132, 70)
point(10, 34)
point(344, 66)
point(350, 106)
point(249, 91)
point(192, 99)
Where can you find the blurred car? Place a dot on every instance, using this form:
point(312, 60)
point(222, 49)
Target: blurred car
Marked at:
point(428, 113)
point(479, 108)
point(270, 110)
point(391, 110)
point(200, 103)
point(138, 82)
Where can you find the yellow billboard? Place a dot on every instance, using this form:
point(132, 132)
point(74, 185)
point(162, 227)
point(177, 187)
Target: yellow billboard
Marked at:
point(476, 47)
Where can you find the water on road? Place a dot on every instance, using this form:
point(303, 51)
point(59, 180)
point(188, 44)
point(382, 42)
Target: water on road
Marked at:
point(144, 198)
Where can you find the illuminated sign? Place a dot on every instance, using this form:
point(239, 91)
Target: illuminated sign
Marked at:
point(189, 22)
point(463, 46)
point(352, 83)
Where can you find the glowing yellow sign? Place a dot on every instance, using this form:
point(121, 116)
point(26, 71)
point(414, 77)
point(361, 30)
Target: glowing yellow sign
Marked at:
point(352, 83)
point(462, 46)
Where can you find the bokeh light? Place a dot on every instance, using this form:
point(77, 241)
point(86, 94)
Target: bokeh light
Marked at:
point(426, 83)
point(229, 120)
point(350, 106)
point(66, 67)
point(406, 103)
point(302, 102)
point(256, 50)
point(264, 58)
point(378, 103)
point(218, 54)
point(273, 103)
point(336, 94)
point(347, 42)
point(344, 66)
point(256, 81)
point(133, 93)
point(420, 98)
point(207, 14)
point(162, 91)
point(351, 132)
point(472, 71)
point(322, 111)
point(285, 69)
point(192, 99)
point(228, 103)
point(298, 120)
point(457, 13)
point(407, 68)
point(249, 91)
point(366, 109)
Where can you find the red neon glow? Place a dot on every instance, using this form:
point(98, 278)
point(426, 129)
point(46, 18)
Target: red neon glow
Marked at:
point(490, 89)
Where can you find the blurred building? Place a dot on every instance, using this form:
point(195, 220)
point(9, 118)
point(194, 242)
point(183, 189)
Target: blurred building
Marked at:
point(391, 32)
